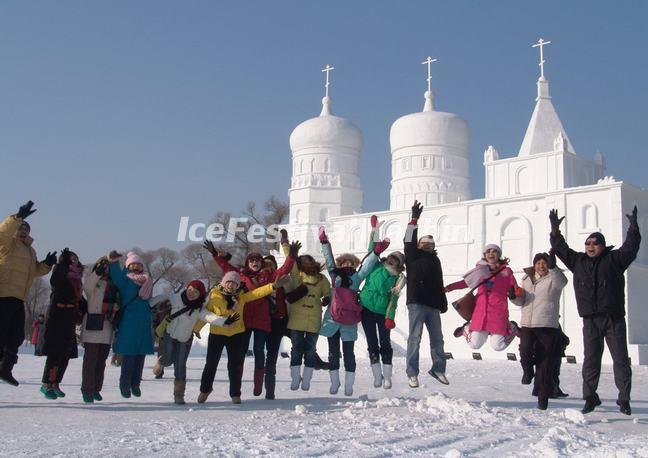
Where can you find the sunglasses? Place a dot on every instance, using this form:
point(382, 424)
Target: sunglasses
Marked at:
point(592, 243)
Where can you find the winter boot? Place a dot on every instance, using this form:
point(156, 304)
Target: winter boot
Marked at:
point(543, 403)
point(258, 381)
point(57, 390)
point(306, 378)
point(179, 391)
point(270, 382)
point(125, 391)
point(6, 375)
point(202, 397)
point(87, 398)
point(320, 364)
point(335, 381)
point(439, 376)
point(624, 407)
point(158, 370)
point(527, 377)
point(413, 381)
point(48, 392)
point(387, 376)
point(137, 392)
point(236, 399)
point(377, 374)
point(462, 330)
point(97, 396)
point(349, 378)
point(295, 374)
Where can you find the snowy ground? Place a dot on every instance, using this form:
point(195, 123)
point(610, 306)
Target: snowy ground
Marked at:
point(484, 412)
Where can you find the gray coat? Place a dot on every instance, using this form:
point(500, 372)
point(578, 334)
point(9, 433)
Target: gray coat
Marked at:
point(541, 302)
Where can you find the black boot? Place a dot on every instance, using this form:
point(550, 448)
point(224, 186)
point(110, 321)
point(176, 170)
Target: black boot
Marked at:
point(6, 375)
point(269, 386)
point(624, 407)
point(543, 403)
point(591, 403)
point(319, 364)
point(527, 377)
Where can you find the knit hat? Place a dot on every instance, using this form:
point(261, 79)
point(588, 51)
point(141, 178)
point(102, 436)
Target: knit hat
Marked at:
point(231, 276)
point(600, 238)
point(200, 286)
point(253, 255)
point(426, 239)
point(133, 258)
point(25, 224)
point(398, 255)
point(541, 256)
point(492, 246)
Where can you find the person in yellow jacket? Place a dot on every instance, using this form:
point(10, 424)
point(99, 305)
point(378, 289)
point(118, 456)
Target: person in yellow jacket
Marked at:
point(228, 299)
point(18, 268)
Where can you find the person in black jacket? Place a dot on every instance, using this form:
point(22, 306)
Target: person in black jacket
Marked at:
point(599, 286)
point(63, 314)
point(425, 300)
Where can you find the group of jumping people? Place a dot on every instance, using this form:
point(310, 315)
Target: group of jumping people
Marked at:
point(262, 303)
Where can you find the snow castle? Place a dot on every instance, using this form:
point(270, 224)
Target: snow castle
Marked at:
point(430, 154)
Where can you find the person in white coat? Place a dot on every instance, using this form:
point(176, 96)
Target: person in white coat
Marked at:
point(187, 308)
point(540, 332)
point(97, 329)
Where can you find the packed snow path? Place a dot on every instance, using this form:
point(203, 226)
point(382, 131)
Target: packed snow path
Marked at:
point(485, 411)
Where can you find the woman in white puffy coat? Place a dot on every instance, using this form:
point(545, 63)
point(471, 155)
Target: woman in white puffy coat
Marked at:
point(97, 329)
point(186, 310)
point(540, 331)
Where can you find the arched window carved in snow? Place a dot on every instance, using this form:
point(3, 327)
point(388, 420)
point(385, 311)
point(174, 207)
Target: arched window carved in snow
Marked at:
point(589, 217)
point(516, 235)
point(327, 165)
point(324, 213)
point(523, 180)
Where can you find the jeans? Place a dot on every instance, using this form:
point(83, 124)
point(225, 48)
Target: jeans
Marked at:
point(235, 358)
point(420, 315)
point(304, 345)
point(378, 337)
point(12, 330)
point(132, 367)
point(334, 353)
point(596, 329)
point(94, 367)
point(258, 346)
point(175, 352)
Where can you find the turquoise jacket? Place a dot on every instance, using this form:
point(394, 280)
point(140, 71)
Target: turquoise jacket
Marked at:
point(348, 332)
point(135, 333)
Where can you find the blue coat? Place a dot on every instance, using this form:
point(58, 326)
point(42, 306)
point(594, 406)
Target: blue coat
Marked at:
point(135, 333)
point(348, 332)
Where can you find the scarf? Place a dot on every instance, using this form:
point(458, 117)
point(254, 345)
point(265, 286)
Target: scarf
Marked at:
point(75, 276)
point(109, 299)
point(193, 305)
point(479, 273)
point(145, 283)
point(344, 274)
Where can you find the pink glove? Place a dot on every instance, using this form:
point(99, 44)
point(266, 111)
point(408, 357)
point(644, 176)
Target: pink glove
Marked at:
point(381, 246)
point(389, 323)
point(322, 235)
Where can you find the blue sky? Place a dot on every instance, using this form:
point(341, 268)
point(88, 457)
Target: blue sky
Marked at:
point(119, 117)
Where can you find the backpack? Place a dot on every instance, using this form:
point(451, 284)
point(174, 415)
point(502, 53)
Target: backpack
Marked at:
point(345, 306)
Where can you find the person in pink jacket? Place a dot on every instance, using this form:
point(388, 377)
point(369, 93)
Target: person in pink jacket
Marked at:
point(495, 285)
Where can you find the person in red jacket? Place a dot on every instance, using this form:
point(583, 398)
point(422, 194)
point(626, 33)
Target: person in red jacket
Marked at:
point(257, 315)
point(38, 334)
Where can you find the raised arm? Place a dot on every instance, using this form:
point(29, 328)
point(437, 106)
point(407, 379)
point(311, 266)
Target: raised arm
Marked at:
point(220, 258)
point(327, 251)
point(117, 274)
point(411, 233)
point(558, 243)
point(257, 293)
point(627, 252)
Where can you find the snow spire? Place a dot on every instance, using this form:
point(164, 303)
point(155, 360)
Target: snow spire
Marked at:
point(428, 94)
point(326, 101)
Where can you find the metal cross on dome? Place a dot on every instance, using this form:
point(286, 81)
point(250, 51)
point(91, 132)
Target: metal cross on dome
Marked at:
point(327, 70)
point(540, 44)
point(429, 61)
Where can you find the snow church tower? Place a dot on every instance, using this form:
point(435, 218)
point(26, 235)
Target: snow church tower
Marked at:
point(547, 160)
point(325, 172)
point(429, 156)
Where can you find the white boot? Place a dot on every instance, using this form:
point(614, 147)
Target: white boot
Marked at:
point(306, 378)
point(349, 378)
point(335, 381)
point(378, 375)
point(387, 375)
point(295, 373)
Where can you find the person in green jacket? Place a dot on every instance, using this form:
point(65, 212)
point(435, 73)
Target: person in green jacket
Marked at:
point(379, 298)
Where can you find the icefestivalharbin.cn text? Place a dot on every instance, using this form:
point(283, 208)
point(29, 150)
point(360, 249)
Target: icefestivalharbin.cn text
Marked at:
point(258, 233)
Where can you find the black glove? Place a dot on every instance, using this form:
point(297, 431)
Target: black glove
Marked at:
point(209, 246)
point(25, 210)
point(294, 249)
point(233, 318)
point(511, 292)
point(555, 221)
point(417, 209)
point(552, 259)
point(284, 236)
point(632, 217)
point(326, 301)
point(50, 259)
point(100, 268)
point(65, 256)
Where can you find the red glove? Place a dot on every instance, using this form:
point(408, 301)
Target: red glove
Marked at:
point(374, 222)
point(322, 235)
point(381, 246)
point(389, 323)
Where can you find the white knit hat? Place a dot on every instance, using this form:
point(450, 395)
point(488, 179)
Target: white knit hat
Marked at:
point(492, 246)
